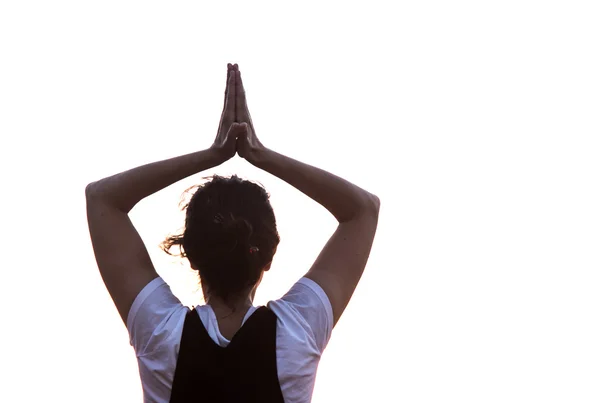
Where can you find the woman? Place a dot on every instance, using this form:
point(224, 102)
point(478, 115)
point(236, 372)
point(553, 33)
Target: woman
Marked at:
point(229, 350)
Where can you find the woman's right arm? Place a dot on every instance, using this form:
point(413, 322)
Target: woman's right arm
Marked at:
point(342, 261)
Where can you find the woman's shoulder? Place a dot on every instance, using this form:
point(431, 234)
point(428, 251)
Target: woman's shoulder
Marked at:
point(156, 315)
point(304, 312)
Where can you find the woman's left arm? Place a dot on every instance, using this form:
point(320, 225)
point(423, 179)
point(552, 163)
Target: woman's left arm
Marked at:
point(122, 258)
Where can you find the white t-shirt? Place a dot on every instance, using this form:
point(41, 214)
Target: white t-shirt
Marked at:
point(304, 325)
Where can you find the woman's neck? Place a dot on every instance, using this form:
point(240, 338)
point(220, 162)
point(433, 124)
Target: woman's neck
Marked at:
point(233, 308)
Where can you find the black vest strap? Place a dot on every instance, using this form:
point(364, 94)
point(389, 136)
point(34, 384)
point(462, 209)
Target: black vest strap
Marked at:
point(244, 371)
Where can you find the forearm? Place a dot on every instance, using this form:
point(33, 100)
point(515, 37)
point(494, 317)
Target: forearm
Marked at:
point(126, 189)
point(343, 199)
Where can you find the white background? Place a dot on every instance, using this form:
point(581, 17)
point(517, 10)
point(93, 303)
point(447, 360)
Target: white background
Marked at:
point(476, 123)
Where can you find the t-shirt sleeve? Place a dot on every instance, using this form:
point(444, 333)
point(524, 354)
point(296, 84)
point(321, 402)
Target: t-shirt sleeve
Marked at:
point(152, 316)
point(311, 305)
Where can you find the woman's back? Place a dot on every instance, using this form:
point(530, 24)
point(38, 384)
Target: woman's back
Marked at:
point(304, 325)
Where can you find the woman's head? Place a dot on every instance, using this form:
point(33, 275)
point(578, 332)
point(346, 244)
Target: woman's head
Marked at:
point(230, 235)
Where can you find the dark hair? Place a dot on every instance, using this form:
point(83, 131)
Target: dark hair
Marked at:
point(230, 234)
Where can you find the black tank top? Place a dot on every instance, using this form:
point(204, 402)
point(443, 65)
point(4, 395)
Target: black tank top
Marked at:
point(244, 371)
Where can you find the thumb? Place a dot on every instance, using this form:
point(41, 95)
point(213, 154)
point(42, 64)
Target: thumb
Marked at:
point(234, 129)
point(241, 129)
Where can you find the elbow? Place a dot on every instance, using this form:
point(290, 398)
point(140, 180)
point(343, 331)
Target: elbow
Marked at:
point(374, 204)
point(89, 190)
point(378, 203)
point(97, 193)
point(367, 208)
point(92, 191)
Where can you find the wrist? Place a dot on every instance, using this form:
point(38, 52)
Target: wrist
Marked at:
point(213, 156)
point(258, 156)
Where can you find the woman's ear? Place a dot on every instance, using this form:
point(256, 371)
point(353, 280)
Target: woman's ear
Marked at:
point(268, 266)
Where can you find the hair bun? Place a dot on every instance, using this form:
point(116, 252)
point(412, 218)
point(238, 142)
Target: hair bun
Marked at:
point(236, 229)
point(239, 228)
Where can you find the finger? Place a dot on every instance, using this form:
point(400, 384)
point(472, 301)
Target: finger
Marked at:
point(229, 72)
point(227, 87)
point(234, 69)
point(229, 111)
point(240, 99)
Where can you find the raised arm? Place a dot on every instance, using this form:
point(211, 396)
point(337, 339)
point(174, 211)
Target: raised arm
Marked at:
point(122, 258)
point(341, 263)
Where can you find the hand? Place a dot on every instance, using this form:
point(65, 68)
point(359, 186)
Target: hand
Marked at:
point(224, 145)
point(248, 146)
